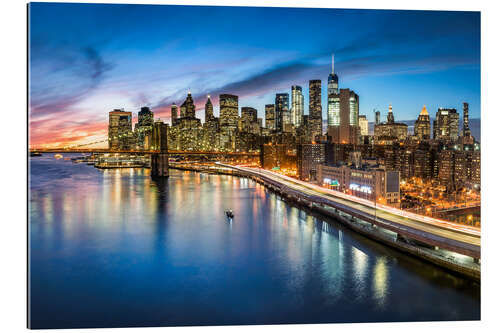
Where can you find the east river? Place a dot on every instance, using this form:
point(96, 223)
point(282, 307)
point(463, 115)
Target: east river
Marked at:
point(116, 248)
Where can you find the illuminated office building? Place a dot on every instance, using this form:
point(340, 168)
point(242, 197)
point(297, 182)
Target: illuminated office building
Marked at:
point(209, 109)
point(422, 129)
point(270, 117)
point(467, 138)
point(248, 119)
point(309, 157)
point(120, 130)
point(297, 110)
point(188, 107)
point(345, 117)
point(389, 132)
point(174, 114)
point(315, 110)
point(143, 128)
point(282, 111)
point(228, 121)
point(446, 124)
point(228, 110)
point(363, 125)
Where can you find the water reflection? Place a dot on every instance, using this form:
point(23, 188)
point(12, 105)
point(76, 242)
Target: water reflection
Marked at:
point(380, 281)
point(115, 248)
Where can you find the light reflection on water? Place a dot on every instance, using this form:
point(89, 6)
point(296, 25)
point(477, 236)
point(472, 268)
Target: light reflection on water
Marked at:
point(116, 248)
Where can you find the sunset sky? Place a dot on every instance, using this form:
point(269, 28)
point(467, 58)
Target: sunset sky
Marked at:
point(87, 59)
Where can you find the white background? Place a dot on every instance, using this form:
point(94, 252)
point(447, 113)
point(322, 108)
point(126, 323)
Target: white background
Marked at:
point(13, 175)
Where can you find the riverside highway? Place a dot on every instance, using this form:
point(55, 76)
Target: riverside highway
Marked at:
point(458, 235)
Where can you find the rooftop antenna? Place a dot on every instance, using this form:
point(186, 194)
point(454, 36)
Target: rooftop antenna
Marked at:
point(333, 63)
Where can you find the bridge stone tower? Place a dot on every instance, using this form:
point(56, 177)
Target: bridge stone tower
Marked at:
point(159, 159)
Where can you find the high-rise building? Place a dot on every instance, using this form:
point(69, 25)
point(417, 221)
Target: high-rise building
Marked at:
point(270, 117)
point(333, 106)
point(315, 110)
point(228, 121)
point(297, 110)
point(248, 119)
point(282, 111)
point(333, 110)
point(143, 128)
point(466, 129)
point(120, 130)
point(249, 114)
point(390, 115)
point(446, 162)
point(345, 125)
point(174, 114)
point(188, 107)
point(423, 163)
point(446, 124)
point(467, 138)
point(228, 110)
point(422, 129)
point(390, 132)
point(363, 125)
point(309, 157)
point(145, 117)
point(377, 117)
point(333, 80)
point(209, 109)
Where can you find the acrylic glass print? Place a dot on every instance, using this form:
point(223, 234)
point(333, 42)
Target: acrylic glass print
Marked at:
point(209, 165)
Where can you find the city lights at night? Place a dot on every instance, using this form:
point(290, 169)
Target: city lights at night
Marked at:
point(219, 160)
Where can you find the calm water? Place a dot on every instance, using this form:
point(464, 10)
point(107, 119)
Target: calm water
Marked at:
point(114, 248)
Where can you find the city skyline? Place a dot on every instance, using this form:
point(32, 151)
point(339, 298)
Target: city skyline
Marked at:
point(127, 67)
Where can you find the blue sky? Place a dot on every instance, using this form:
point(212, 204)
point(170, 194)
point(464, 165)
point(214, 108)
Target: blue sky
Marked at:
point(86, 59)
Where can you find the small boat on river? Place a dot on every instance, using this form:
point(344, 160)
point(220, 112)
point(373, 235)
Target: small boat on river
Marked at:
point(229, 213)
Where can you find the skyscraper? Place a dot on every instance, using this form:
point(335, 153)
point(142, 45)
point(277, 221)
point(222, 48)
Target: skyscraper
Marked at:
point(120, 130)
point(466, 129)
point(209, 109)
point(143, 128)
point(333, 105)
point(188, 107)
point(145, 117)
point(228, 110)
point(228, 121)
point(345, 114)
point(390, 132)
point(315, 111)
point(446, 124)
point(390, 115)
point(297, 110)
point(249, 114)
point(309, 157)
point(174, 114)
point(270, 117)
point(248, 119)
point(363, 125)
point(377, 117)
point(282, 111)
point(422, 128)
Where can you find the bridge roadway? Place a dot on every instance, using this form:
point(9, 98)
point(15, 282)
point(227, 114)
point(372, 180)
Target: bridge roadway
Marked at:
point(447, 235)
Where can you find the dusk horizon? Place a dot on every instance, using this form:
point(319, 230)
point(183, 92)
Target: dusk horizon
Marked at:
point(129, 56)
